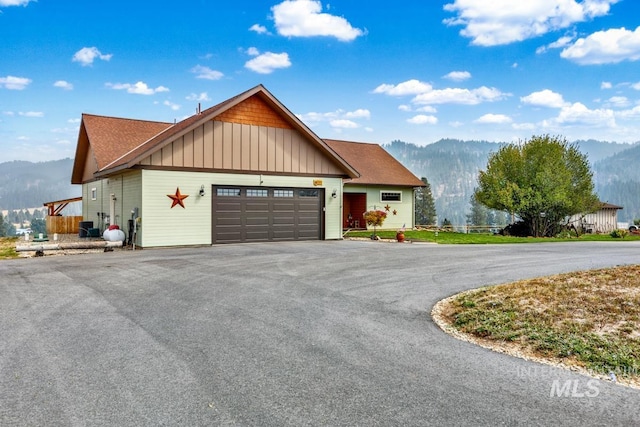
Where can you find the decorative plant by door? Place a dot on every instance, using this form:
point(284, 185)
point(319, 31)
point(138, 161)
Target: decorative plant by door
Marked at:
point(375, 218)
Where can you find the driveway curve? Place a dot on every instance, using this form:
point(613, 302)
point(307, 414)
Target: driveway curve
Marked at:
point(319, 333)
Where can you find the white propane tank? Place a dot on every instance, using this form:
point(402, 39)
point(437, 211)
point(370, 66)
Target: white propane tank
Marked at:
point(113, 235)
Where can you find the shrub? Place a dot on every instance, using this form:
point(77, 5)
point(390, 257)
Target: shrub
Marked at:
point(619, 234)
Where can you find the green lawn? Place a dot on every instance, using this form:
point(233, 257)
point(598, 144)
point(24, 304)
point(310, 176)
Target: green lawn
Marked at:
point(450, 237)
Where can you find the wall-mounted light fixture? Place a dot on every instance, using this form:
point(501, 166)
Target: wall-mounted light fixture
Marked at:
point(334, 194)
point(201, 192)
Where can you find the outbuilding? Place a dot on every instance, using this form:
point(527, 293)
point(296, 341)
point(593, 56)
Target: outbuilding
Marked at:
point(245, 170)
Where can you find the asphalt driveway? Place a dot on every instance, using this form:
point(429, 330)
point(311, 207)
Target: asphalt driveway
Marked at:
point(320, 333)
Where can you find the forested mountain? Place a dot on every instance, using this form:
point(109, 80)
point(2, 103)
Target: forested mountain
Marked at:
point(452, 166)
point(617, 181)
point(29, 185)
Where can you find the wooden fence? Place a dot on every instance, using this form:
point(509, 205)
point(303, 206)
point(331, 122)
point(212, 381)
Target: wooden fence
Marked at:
point(63, 224)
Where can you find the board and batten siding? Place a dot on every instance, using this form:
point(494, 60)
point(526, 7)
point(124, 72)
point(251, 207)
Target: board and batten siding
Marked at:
point(404, 209)
point(243, 147)
point(162, 225)
point(601, 221)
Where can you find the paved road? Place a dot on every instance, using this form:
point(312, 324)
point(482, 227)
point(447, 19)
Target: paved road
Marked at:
point(322, 333)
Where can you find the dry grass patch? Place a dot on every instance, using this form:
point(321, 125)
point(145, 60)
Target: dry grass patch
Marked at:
point(587, 320)
point(8, 247)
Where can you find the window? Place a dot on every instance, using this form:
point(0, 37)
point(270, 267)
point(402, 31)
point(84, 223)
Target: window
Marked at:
point(282, 193)
point(228, 192)
point(251, 192)
point(94, 193)
point(309, 193)
point(390, 196)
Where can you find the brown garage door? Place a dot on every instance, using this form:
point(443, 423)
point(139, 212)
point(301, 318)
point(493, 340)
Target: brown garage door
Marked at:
point(259, 214)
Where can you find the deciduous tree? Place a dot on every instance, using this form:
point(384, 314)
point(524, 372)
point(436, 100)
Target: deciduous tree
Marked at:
point(543, 181)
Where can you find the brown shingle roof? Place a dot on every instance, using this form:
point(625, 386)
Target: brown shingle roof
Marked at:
point(374, 164)
point(111, 137)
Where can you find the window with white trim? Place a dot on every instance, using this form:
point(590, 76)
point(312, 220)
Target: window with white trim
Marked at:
point(94, 193)
point(390, 196)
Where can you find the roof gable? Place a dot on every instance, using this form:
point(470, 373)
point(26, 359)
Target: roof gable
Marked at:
point(256, 105)
point(374, 164)
point(102, 140)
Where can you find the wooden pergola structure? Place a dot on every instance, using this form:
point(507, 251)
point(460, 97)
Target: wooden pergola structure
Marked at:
point(55, 208)
point(56, 223)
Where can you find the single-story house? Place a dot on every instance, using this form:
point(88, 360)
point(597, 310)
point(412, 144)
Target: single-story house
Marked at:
point(384, 184)
point(245, 170)
point(604, 220)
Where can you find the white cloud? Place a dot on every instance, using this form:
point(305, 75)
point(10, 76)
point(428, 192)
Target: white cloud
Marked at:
point(618, 101)
point(304, 18)
point(558, 44)
point(606, 85)
point(422, 119)
point(14, 83)
point(636, 86)
point(260, 29)
point(198, 97)
point(605, 47)
point(493, 119)
point(6, 3)
point(427, 109)
point(460, 96)
point(633, 113)
point(360, 113)
point(74, 120)
point(410, 87)
point(87, 55)
point(252, 51)
point(206, 73)
point(268, 62)
point(544, 98)
point(171, 105)
point(578, 113)
point(458, 76)
point(63, 85)
point(405, 108)
point(337, 119)
point(139, 88)
point(343, 124)
point(31, 114)
point(500, 22)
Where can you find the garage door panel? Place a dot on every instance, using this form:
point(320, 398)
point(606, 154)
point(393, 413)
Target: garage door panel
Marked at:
point(258, 214)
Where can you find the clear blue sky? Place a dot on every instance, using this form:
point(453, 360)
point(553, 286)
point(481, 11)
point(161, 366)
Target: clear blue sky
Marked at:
point(418, 71)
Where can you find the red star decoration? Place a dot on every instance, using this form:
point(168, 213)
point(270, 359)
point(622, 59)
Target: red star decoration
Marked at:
point(387, 208)
point(177, 198)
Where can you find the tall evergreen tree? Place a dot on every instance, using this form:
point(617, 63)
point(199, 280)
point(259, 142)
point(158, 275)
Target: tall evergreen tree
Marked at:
point(3, 231)
point(479, 215)
point(425, 206)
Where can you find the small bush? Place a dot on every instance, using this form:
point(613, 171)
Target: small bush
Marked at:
point(619, 234)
